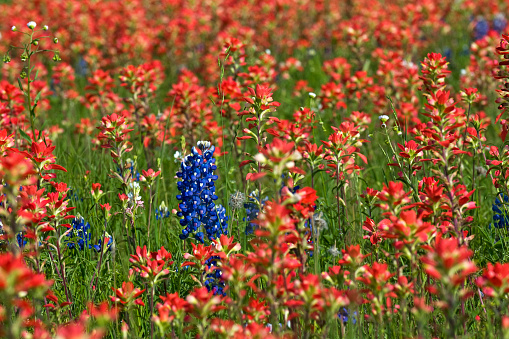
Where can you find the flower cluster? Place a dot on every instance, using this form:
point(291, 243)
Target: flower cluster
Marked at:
point(162, 212)
point(80, 236)
point(500, 218)
point(197, 195)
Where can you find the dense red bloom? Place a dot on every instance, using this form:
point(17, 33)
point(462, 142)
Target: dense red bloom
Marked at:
point(373, 232)
point(16, 170)
point(353, 256)
point(263, 95)
point(495, 280)
point(16, 277)
point(393, 196)
point(127, 294)
point(172, 307)
point(150, 174)
point(448, 262)
point(203, 303)
point(376, 276)
point(200, 254)
point(151, 265)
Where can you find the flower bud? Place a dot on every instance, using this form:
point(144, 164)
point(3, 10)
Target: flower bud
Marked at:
point(45, 27)
point(383, 118)
point(14, 29)
point(7, 59)
point(31, 25)
point(55, 40)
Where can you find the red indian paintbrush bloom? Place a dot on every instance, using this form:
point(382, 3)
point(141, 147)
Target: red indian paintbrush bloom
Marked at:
point(495, 280)
point(127, 295)
point(448, 262)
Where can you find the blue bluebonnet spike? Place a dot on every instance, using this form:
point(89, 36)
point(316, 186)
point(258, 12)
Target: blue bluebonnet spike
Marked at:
point(198, 193)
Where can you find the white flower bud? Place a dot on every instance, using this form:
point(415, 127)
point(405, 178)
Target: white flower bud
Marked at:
point(14, 29)
point(31, 25)
point(260, 158)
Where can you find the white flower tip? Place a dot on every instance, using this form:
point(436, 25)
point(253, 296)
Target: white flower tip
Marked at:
point(260, 158)
point(31, 25)
point(312, 95)
point(45, 27)
point(13, 28)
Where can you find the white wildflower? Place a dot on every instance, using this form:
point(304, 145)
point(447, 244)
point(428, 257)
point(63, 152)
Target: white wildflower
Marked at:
point(319, 222)
point(237, 200)
point(31, 25)
point(177, 156)
point(334, 251)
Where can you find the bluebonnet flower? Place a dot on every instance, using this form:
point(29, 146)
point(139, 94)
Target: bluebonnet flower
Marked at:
point(135, 175)
point(500, 218)
point(109, 244)
point(447, 53)
point(20, 237)
point(82, 67)
point(162, 212)
point(197, 195)
point(213, 279)
point(72, 195)
point(80, 236)
point(252, 211)
point(481, 28)
point(344, 315)
point(499, 23)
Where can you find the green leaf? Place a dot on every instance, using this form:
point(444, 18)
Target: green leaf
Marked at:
point(36, 74)
point(37, 97)
point(25, 136)
point(21, 86)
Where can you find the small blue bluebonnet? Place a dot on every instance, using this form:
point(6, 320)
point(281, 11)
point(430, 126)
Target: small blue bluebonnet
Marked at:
point(500, 218)
point(481, 28)
point(344, 315)
point(499, 23)
point(134, 175)
point(73, 195)
point(80, 236)
point(162, 212)
point(20, 237)
point(197, 195)
point(213, 279)
point(109, 244)
point(252, 211)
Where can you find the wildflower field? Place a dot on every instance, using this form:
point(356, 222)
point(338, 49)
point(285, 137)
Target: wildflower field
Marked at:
point(254, 169)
